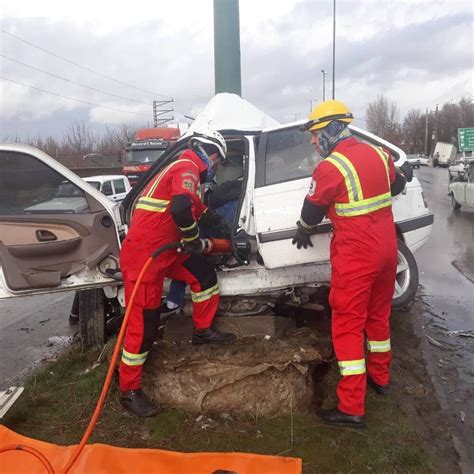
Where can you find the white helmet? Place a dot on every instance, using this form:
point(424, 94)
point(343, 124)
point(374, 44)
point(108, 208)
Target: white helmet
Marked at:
point(211, 137)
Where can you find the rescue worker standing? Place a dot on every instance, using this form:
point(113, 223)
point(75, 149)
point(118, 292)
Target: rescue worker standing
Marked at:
point(168, 210)
point(352, 186)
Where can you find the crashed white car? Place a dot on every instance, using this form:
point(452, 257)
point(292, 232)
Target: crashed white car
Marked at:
point(60, 251)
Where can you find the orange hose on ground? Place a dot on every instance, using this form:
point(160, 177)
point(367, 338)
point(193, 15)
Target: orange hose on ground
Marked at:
point(110, 372)
point(28, 449)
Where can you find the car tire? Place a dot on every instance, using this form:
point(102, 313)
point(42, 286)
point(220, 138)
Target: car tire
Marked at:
point(92, 317)
point(406, 283)
point(456, 205)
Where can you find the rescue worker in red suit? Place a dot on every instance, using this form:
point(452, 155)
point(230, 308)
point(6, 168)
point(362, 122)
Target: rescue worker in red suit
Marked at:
point(168, 210)
point(353, 186)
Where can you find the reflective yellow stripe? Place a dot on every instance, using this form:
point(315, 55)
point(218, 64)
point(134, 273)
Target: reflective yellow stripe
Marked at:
point(190, 239)
point(379, 346)
point(352, 367)
point(206, 294)
point(385, 159)
point(187, 229)
point(364, 206)
point(160, 176)
point(133, 359)
point(346, 168)
point(307, 226)
point(152, 204)
point(357, 205)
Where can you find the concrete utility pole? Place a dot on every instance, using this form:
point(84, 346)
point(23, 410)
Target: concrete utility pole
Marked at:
point(311, 104)
point(227, 47)
point(324, 83)
point(434, 137)
point(426, 133)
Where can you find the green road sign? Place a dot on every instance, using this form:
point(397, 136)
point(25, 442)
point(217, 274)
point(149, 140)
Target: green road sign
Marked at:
point(466, 139)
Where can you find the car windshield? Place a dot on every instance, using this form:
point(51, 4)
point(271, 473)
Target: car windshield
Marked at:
point(68, 190)
point(95, 184)
point(143, 156)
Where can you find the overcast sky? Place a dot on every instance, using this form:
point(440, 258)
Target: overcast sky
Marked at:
point(416, 52)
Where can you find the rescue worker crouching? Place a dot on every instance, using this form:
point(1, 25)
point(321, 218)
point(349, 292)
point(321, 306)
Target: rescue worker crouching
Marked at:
point(353, 186)
point(168, 210)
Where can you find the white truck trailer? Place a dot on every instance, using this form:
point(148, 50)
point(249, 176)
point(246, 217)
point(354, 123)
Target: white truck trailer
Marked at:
point(444, 154)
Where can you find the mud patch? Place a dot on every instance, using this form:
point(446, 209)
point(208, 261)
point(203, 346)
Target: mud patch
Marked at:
point(259, 376)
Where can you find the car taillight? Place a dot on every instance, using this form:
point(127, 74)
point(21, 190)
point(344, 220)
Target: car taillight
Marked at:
point(424, 200)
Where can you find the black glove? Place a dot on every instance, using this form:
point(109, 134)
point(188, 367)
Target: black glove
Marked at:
point(407, 171)
point(302, 237)
point(212, 219)
point(194, 246)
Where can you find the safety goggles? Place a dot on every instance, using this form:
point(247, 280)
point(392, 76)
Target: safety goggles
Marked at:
point(329, 118)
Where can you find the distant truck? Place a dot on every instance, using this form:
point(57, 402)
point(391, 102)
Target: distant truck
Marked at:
point(148, 146)
point(444, 154)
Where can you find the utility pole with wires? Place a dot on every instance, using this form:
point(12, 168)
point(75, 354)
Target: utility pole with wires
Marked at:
point(426, 132)
point(159, 111)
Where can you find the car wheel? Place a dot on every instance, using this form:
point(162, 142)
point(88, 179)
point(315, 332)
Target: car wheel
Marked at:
point(406, 282)
point(456, 205)
point(92, 317)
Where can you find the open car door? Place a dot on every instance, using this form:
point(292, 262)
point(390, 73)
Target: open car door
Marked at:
point(56, 231)
point(284, 165)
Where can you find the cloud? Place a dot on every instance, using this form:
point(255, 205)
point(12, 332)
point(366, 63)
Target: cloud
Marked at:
point(415, 52)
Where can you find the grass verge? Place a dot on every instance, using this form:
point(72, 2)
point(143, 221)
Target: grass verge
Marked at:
point(58, 402)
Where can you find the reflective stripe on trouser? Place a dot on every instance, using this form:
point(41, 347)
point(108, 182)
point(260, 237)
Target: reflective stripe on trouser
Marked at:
point(360, 304)
point(144, 317)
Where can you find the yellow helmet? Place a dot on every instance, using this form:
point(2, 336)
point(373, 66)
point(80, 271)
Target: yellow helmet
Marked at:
point(325, 113)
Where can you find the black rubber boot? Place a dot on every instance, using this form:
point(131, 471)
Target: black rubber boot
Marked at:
point(136, 403)
point(335, 417)
point(380, 389)
point(212, 336)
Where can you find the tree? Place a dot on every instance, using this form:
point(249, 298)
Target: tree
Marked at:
point(414, 131)
point(383, 119)
point(80, 138)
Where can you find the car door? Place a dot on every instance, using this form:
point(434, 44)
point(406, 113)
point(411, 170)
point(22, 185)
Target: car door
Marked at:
point(284, 164)
point(120, 190)
point(50, 243)
point(470, 185)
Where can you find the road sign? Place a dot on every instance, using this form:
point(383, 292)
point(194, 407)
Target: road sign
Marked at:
point(466, 139)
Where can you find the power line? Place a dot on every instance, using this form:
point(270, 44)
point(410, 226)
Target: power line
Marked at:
point(74, 99)
point(71, 81)
point(82, 67)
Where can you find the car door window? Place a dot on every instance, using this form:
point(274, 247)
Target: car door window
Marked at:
point(285, 155)
point(107, 188)
point(119, 186)
point(28, 186)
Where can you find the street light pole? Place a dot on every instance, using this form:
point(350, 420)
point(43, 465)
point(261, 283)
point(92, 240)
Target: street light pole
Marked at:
point(334, 51)
point(324, 83)
point(311, 104)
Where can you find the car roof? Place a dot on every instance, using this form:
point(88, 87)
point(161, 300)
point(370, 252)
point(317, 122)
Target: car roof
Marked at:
point(102, 178)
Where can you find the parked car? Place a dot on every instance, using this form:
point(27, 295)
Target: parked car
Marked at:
point(462, 191)
point(276, 163)
point(424, 160)
point(115, 187)
point(458, 170)
point(414, 161)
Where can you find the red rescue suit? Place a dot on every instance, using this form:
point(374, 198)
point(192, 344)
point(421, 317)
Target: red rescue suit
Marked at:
point(155, 223)
point(353, 186)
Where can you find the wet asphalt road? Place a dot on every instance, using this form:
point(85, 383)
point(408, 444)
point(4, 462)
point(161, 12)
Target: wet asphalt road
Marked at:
point(446, 265)
point(32, 330)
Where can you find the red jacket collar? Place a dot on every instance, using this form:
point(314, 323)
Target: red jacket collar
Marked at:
point(194, 157)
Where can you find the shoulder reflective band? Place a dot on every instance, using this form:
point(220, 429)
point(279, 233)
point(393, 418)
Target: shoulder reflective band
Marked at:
point(133, 359)
point(352, 367)
point(379, 346)
point(357, 205)
point(151, 204)
point(163, 172)
point(385, 159)
point(206, 294)
point(346, 168)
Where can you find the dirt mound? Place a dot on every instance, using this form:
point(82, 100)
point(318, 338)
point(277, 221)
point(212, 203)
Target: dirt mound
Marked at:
point(255, 375)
